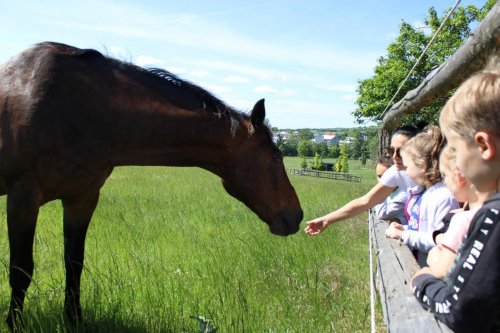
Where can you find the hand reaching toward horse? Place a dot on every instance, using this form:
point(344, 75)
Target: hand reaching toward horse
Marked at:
point(316, 226)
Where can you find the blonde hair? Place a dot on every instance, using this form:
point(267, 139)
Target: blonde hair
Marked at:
point(426, 146)
point(475, 106)
point(448, 163)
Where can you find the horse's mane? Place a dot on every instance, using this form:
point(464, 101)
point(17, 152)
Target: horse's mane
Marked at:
point(173, 86)
point(209, 101)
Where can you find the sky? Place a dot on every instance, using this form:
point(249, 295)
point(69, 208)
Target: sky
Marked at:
point(304, 57)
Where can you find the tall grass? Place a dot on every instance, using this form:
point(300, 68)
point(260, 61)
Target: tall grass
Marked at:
point(168, 244)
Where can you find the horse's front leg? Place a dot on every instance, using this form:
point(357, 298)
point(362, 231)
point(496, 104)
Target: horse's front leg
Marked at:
point(77, 215)
point(23, 202)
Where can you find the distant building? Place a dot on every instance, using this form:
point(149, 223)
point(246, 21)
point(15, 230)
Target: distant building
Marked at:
point(329, 137)
point(348, 140)
point(284, 135)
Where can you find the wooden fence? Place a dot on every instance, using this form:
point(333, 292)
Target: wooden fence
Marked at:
point(395, 266)
point(325, 174)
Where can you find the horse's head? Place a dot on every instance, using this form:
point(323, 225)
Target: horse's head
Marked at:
point(257, 177)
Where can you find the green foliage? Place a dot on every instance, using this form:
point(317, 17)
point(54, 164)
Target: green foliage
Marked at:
point(317, 163)
point(303, 164)
point(376, 92)
point(321, 148)
point(305, 134)
point(342, 164)
point(305, 148)
point(333, 151)
point(363, 158)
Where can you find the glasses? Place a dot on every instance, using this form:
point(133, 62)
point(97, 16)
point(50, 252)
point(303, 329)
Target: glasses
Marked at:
point(391, 151)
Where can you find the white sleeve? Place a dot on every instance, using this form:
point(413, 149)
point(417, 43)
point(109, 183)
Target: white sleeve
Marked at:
point(439, 204)
point(391, 209)
point(390, 178)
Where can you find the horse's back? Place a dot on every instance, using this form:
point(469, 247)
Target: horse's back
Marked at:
point(46, 103)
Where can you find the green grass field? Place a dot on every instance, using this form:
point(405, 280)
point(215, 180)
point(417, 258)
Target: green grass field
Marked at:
point(167, 244)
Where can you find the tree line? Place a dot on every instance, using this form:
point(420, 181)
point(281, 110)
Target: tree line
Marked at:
point(300, 143)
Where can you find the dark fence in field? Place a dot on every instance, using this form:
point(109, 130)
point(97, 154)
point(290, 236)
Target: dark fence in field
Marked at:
point(395, 266)
point(325, 174)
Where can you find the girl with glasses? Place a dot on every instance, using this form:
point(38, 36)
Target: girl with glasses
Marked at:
point(393, 178)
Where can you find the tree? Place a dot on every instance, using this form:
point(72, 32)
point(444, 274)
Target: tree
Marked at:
point(317, 162)
point(342, 164)
point(289, 148)
point(333, 151)
point(305, 148)
point(280, 141)
point(305, 134)
point(363, 154)
point(303, 164)
point(321, 148)
point(376, 92)
point(357, 144)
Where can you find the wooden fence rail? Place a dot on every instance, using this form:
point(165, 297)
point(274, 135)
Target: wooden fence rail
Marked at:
point(325, 174)
point(395, 267)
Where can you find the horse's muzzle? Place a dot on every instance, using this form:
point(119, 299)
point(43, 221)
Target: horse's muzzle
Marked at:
point(286, 223)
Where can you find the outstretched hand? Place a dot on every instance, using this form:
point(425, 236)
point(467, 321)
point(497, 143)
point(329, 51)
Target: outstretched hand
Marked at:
point(316, 226)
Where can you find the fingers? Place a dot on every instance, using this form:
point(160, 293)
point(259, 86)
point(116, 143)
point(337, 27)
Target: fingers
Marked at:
point(313, 227)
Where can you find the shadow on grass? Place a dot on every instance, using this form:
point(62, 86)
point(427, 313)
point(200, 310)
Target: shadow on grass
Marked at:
point(49, 323)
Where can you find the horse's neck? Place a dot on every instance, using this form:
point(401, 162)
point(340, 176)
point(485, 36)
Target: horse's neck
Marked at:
point(164, 135)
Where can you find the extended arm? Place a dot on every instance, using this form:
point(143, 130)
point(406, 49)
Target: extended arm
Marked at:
point(376, 195)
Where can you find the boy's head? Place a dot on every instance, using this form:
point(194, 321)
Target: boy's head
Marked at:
point(421, 156)
point(383, 163)
point(471, 123)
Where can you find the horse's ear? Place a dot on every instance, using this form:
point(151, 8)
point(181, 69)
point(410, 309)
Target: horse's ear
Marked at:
point(258, 114)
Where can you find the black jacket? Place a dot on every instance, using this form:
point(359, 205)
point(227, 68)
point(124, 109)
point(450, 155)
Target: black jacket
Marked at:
point(470, 301)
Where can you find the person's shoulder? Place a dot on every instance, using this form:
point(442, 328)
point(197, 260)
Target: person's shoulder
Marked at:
point(493, 199)
point(440, 189)
point(491, 203)
point(391, 172)
point(390, 176)
point(489, 210)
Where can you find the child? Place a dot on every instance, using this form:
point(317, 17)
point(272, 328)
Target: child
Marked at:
point(395, 177)
point(441, 257)
point(430, 200)
point(392, 208)
point(469, 301)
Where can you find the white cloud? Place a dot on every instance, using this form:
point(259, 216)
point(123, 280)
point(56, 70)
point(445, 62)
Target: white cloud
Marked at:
point(200, 73)
point(176, 70)
point(216, 89)
point(204, 33)
point(144, 60)
point(236, 79)
point(118, 52)
point(288, 92)
point(265, 89)
point(345, 88)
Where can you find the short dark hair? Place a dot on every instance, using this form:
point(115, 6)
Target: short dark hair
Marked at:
point(384, 160)
point(410, 130)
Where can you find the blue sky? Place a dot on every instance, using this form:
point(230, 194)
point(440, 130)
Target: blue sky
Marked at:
point(303, 57)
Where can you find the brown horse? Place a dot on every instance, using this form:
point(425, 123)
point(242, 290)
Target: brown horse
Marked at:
point(69, 115)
